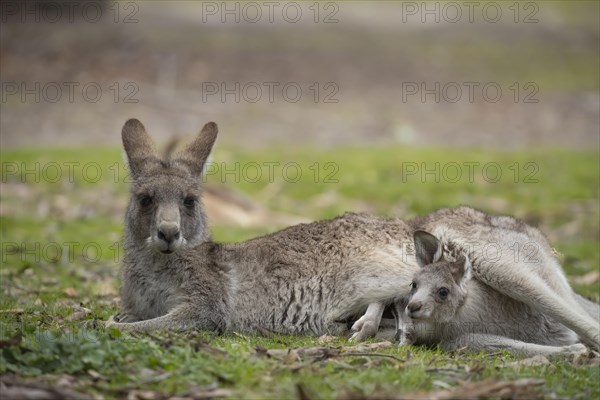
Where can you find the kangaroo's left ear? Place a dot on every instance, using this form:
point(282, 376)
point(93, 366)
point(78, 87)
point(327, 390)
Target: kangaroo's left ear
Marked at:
point(197, 152)
point(462, 271)
point(138, 146)
point(428, 249)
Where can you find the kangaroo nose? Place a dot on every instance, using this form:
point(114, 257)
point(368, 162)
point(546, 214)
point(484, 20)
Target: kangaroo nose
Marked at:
point(168, 232)
point(414, 307)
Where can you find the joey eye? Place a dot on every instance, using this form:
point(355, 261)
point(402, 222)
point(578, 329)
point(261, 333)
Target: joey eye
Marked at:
point(413, 285)
point(189, 201)
point(443, 292)
point(145, 201)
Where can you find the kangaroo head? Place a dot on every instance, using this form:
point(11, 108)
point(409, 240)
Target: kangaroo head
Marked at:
point(165, 211)
point(439, 289)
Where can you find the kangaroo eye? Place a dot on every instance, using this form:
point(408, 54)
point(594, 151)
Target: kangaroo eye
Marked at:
point(413, 284)
point(443, 292)
point(189, 202)
point(145, 201)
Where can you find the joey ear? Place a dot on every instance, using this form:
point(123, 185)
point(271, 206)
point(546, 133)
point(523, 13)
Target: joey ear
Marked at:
point(138, 145)
point(197, 152)
point(428, 249)
point(462, 270)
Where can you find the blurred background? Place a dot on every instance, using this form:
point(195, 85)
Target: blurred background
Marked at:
point(392, 108)
point(487, 74)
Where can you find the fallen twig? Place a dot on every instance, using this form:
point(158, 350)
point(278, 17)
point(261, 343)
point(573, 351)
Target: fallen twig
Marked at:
point(14, 388)
point(13, 341)
point(518, 389)
point(372, 355)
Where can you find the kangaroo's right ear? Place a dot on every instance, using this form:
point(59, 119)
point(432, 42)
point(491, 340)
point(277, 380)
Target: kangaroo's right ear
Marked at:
point(466, 272)
point(462, 270)
point(428, 249)
point(138, 146)
point(197, 152)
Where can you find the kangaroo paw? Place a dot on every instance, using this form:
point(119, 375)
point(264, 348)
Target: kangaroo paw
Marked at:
point(364, 330)
point(574, 350)
point(357, 326)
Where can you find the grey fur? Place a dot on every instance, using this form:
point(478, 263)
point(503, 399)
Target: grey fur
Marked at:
point(303, 279)
point(512, 258)
point(524, 268)
point(447, 307)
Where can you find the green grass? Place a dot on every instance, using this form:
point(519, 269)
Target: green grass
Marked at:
point(76, 226)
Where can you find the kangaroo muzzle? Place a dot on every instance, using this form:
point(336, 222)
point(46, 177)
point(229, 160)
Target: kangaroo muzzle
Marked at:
point(168, 231)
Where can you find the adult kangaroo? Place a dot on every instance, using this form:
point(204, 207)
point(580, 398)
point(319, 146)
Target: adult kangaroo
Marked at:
point(303, 279)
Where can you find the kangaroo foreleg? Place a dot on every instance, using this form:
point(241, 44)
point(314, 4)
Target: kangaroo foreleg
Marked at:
point(404, 324)
point(367, 325)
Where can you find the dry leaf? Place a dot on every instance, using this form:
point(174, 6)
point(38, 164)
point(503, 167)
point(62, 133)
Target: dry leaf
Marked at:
point(96, 375)
point(322, 352)
point(302, 394)
point(476, 368)
point(306, 352)
point(13, 311)
point(199, 345)
point(78, 315)
point(226, 206)
point(530, 362)
point(104, 287)
point(365, 347)
point(65, 381)
point(291, 357)
point(264, 331)
point(327, 339)
point(262, 352)
point(518, 389)
point(442, 384)
point(200, 394)
point(14, 388)
point(71, 292)
point(13, 341)
point(587, 279)
point(142, 395)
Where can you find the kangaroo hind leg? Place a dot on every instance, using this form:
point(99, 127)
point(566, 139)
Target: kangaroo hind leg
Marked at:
point(535, 292)
point(486, 342)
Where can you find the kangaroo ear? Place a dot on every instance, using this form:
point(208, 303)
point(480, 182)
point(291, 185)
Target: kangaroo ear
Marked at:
point(428, 249)
point(462, 271)
point(138, 146)
point(196, 153)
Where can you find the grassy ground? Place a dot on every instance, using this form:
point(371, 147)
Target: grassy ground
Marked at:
point(61, 246)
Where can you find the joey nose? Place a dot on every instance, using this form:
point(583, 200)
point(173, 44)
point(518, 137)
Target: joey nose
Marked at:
point(169, 232)
point(414, 307)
